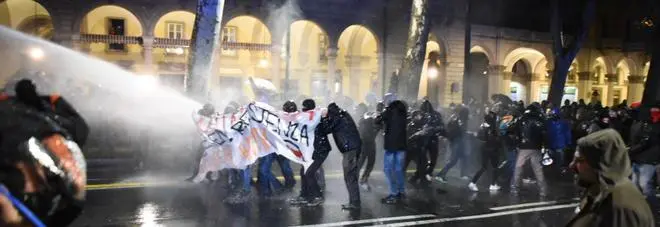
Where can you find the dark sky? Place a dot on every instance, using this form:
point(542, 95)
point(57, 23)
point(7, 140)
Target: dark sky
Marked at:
point(614, 18)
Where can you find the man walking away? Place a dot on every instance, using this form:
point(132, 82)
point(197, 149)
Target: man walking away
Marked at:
point(610, 199)
point(393, 121)
point(530, 131)
point(347, 138)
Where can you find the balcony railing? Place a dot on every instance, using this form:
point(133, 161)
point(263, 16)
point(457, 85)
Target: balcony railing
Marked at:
point(168, 43)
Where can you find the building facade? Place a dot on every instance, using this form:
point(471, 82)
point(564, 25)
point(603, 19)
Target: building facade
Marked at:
point(329, 49)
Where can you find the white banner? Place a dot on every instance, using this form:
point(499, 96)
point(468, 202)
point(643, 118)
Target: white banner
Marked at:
point(258, 129)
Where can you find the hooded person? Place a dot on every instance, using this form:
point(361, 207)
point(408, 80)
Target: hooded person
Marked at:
point(393, 122)
point(436, 128)
point(530, 131)
point(645, 153)
point(602, 168)
point(456, 133)
point(40, 164)
point(368, 132)
point(347, 138)
point(490, 151)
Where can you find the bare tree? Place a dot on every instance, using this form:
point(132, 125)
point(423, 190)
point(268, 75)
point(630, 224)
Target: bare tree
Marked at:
point(418, 35)
point(564, 53)
point(205, 39)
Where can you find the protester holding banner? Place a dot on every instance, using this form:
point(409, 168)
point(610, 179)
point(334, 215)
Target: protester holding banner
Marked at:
point(347, 138)
point(203, 120)
point(310, 190)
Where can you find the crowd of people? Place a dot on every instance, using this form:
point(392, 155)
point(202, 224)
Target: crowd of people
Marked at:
point(510, 135)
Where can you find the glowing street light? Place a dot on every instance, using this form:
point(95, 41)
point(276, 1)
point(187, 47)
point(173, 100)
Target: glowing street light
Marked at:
point(36, 53)
point(263, 63)
point(432, 72)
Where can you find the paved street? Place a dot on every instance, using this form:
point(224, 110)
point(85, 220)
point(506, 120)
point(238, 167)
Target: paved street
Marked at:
point(165, 200)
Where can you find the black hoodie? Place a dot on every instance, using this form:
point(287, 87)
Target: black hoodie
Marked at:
point(393, 122)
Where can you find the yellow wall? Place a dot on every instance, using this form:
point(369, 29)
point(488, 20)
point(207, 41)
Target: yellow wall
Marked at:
point(160, 31)
point(97, 22)
point(245, 62)
point(358, 43)
point(13, 12)
point(305, 53)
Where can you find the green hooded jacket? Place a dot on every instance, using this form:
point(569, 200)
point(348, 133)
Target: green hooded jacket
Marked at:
point(615, 201)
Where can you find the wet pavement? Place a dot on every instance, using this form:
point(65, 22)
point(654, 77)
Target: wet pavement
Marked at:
point(165, 200)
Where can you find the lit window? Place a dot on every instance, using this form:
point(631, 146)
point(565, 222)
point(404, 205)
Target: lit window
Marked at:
point(228, 36)
point(175, 30)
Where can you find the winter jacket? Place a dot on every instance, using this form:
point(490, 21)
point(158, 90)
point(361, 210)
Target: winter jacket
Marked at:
point(489, 133)
point(529, 130)
point(615, 201)
point(343, 129)
point(433, 121)
point(19, 122)
point(645, 143)
point(393, 122)
point(417, 136)
point(558, 134)
point(368, 128)
point(68, 118)
point(456, 128)
point(321, 143)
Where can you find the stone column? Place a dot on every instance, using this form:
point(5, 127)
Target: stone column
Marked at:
point(635, 88)
point(495, 80)
point(506, 83)
point(331, 53)
point(584, 85)
point(535, 87)
point(147, 52)
point(276, 65)
point(611, 80)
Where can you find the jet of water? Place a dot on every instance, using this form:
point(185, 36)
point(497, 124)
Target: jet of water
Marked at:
point(115, 102)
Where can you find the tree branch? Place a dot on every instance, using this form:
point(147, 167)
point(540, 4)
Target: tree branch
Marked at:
point(587, 19)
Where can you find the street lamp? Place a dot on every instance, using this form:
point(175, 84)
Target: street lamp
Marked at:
point(432, 71)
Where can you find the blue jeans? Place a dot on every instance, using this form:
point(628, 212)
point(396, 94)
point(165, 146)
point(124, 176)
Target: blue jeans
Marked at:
point(266, 177)
point(246, 176)
point(642, 177)
point(457, 154)
point(287, 171)
point(394, 173)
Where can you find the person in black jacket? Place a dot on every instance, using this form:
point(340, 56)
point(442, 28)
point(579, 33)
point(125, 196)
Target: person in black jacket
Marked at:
point(435, 128)
point(310, 189)
point(393, 121)
point(347, 138)
point(368, 132)
point(490, 151)
point(417, 140)
point(645, 153)
point(456, 133)
point(531, 134)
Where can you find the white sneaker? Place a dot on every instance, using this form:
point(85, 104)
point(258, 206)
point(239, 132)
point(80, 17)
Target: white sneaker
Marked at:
point(428, 177)
point(528, 181)
point(473, 187)
point(494, 187)
point(440, 179)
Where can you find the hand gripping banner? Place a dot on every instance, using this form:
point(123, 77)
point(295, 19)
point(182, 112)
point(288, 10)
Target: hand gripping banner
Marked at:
point(256, 130)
